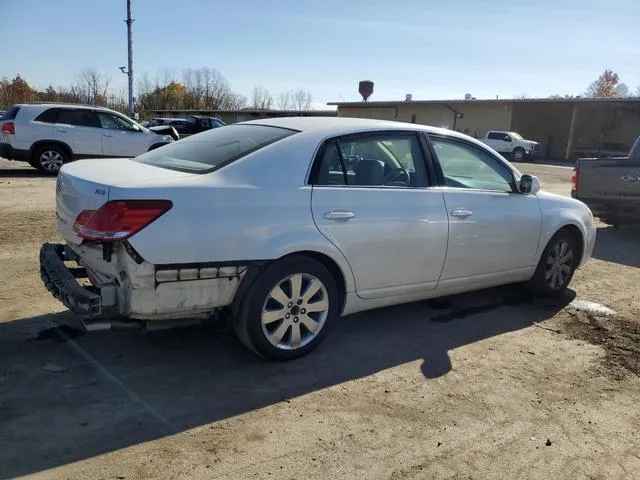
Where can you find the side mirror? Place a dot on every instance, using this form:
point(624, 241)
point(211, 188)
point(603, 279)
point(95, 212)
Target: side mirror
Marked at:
point(529, 184)
point(507, 139)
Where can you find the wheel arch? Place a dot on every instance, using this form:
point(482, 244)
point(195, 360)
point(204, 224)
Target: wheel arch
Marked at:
point(568, 226)
point(575, 231)
point(43, 143)
point(334, 267)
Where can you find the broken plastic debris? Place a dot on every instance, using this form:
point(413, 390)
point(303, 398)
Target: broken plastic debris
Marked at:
point(592, 307)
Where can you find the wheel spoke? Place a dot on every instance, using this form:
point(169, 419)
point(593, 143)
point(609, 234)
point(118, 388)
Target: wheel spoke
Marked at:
point(296, 286)
point(566, 269)
point(313, 288)
point(560, 278)
point(279, 296)
point(295, 335)
point(319, 306)
point(567, 256)
point(279, 333)
point(273, 316)
point(563, 248)
point(548, 274)
point(309, 322)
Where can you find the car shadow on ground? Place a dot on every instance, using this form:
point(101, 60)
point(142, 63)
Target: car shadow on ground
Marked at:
point(618, 245)
point(65, 398)
point(23, 172)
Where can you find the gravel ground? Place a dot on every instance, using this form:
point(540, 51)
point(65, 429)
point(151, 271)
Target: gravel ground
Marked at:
point(488, 385)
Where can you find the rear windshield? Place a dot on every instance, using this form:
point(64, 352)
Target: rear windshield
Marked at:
point(213, 149)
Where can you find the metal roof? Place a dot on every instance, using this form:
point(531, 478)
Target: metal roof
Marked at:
point(395, 103)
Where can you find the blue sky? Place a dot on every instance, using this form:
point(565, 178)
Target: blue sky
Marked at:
point(432, 49)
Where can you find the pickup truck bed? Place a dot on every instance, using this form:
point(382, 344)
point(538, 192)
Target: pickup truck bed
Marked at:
point(610, 187)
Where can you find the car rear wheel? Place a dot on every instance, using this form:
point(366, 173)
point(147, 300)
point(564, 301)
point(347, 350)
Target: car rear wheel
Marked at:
point(518, 154)
point(289, 309)
point(556, 266)
point(49, 159)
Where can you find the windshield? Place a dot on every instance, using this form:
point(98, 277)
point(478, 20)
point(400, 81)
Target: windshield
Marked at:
point(515, 135)
point(213, 149)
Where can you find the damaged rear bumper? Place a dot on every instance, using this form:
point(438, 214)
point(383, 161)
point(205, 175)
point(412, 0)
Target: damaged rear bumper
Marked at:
point(62, 283)
point(125, 287)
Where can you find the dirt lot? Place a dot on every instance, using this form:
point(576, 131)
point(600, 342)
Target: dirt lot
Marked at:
point(488, 385)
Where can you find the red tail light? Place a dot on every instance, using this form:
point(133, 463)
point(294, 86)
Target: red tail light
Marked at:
point(574, 178)
point(9, 127)
point(119, 219)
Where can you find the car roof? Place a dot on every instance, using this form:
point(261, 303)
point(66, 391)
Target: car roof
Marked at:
point(345, 125)
point(64, 105)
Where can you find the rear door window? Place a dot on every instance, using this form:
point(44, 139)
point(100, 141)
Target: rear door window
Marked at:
point(214, 148)
point(48, 116)
point(79, 117)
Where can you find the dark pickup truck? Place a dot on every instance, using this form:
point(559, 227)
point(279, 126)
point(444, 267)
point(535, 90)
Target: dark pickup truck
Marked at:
point(610, 186)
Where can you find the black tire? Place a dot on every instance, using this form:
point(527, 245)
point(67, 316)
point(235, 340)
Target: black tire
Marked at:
point(544, 282)
point(49, 159)
point(258, 300)
point(518, 154)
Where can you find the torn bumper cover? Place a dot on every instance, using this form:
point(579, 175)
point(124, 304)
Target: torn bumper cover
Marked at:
point(61, 281)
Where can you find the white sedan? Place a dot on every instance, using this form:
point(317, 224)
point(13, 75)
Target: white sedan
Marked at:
point(284, 225)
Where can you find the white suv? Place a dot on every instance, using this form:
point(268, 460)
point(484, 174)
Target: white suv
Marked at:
point(47, 135)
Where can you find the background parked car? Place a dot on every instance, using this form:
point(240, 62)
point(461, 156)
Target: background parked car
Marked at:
point(189, 125)
point(511, 144)
point(49, 135)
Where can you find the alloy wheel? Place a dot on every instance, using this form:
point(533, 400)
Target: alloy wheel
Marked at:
point(559, 264)
point(51, 160)
point(295, 311)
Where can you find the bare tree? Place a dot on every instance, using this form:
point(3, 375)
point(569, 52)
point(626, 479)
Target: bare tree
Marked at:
point(91, 87)
point(284, 101)
point(261, 98)
point(302, 100)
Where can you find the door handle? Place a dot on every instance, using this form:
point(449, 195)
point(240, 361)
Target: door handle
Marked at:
point(107, 135)
point(62, 130)
point(461, 213)
point(339, 215)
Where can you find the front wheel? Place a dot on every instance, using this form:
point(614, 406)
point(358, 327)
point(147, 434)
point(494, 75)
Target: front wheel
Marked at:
point(289, 309)
point(556, 266)
point(518, 154)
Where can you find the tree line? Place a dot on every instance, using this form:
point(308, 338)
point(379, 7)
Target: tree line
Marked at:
point(607, 85)
point(191, 89)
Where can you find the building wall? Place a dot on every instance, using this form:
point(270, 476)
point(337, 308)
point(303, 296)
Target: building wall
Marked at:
point(475, 120)
point(545, 122)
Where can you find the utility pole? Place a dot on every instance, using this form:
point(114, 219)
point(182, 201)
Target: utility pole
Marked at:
point(129, 22)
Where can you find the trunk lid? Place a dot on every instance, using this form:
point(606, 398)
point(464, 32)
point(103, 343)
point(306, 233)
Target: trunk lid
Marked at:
point(86, 184)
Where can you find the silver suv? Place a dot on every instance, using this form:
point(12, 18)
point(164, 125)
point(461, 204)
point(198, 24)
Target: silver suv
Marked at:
point(47, 135)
